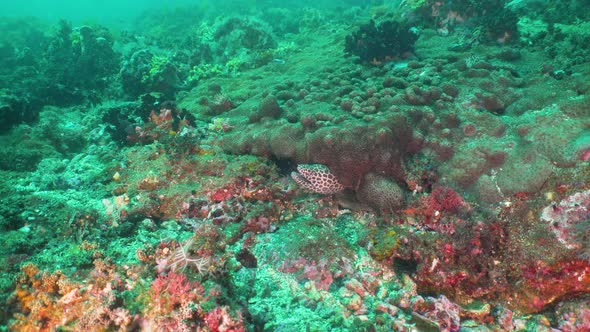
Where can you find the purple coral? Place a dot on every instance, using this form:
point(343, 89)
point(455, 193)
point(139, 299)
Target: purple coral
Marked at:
point(570, 219)
point(317, 178)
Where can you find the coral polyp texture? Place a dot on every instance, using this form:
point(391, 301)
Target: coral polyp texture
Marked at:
point(417, 165)
point(381, 193)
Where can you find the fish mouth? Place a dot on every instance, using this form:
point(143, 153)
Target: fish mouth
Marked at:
point(300, 177)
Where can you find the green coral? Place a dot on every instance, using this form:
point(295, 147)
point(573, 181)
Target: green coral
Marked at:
point(386, 244)
point(204, 71)
point(233, 65)
point(65, 256)
point(414, 4)
point(158, 66)
point(219, 124)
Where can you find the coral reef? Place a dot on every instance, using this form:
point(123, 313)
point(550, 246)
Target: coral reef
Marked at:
point(235, 167)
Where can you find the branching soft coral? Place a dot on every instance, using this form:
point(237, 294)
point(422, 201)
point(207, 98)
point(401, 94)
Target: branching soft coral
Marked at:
point(174, 303)
point(174, 290)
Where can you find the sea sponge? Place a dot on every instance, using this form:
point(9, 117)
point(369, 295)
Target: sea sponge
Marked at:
point(381, 193)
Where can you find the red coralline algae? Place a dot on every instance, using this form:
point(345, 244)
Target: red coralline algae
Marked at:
point(220, 320)
point(545, 284)
point(574, 316)
point(446, 199)
point(322, 273)
point(174, 290)
point(258, 224)
point(221, 194)
point(441, 200)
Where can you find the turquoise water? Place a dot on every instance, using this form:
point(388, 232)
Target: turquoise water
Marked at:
point(295, 166)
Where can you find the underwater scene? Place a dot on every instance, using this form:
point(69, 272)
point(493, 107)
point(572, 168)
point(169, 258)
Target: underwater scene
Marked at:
point(403, 165)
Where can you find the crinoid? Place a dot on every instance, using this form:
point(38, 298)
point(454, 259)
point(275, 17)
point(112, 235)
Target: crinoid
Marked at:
point(181, 259)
